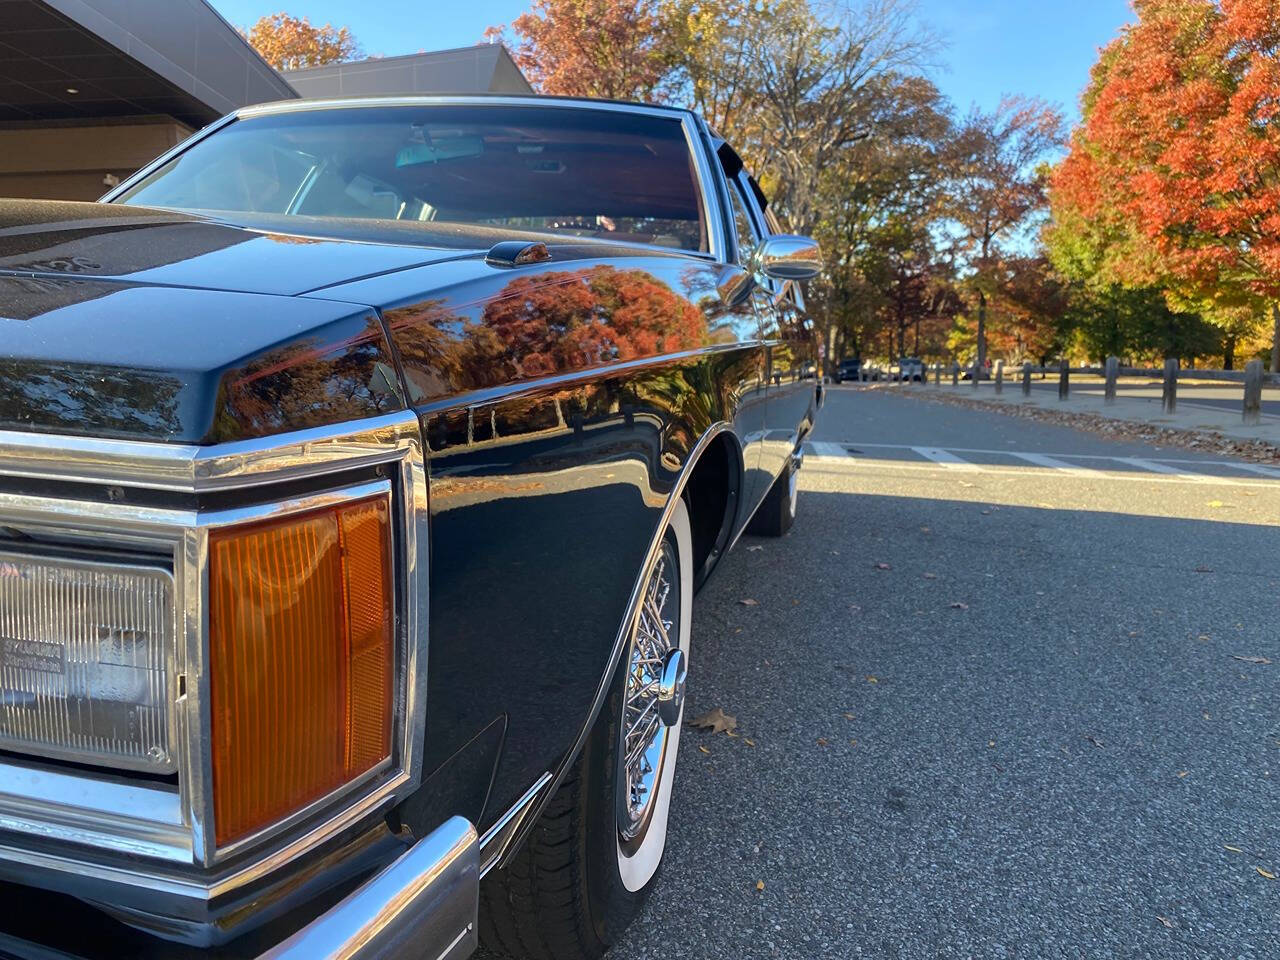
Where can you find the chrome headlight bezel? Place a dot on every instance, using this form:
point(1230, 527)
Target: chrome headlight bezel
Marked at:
point(347, 462)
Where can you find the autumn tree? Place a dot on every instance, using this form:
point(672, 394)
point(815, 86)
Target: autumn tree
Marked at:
point(618, 49)
point(793, 83)
point(292, 43)
point(997, 189)
point(878, 203)
point(1178, 159)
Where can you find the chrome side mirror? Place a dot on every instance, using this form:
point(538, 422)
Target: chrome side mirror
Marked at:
point(787, 257)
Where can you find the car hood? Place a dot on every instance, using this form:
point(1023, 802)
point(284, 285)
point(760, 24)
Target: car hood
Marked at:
point(55, 239)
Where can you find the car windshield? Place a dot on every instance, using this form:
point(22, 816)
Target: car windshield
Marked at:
point(615, 174)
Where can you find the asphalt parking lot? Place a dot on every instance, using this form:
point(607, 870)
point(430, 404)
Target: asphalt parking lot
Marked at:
point(999, 695)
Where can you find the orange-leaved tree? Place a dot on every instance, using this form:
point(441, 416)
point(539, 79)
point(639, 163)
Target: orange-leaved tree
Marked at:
point(291, 43)
point(1177, 163)
point(997, 189)
point(593, 48)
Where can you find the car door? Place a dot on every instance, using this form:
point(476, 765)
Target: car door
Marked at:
point(747, 236)
point(792, 371)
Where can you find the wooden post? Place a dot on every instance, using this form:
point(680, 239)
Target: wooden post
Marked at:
point(1253, 392)
point(1113, 370)
point(1064, 379)
point(1026, 379)
point(955, 373)
point(999, 376)
point(1169, 399)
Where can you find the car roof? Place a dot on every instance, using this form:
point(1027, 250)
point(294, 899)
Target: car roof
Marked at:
point(304, 104)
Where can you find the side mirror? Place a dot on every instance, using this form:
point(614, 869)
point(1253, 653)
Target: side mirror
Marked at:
point(787, 257)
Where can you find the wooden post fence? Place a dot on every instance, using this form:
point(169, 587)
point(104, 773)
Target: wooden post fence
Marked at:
point(1253, 392)
point(1169, 397)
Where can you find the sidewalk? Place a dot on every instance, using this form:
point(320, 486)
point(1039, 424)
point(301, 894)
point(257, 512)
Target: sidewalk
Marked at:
point(1134, 412)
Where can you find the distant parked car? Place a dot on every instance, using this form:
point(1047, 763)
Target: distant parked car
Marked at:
point(850, 369)
point(912, 368)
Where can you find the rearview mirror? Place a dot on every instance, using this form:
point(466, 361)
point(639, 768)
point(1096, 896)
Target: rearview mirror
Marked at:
point(787, 257)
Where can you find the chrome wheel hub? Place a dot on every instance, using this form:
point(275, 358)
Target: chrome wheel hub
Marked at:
point(653, 697)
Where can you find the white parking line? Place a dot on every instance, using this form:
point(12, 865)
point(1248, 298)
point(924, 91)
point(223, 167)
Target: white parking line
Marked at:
point(1255, 468)
point(1053, 463)
point(1153, 466)
point(945, 457)
point(828, 449)
point(1166, 469)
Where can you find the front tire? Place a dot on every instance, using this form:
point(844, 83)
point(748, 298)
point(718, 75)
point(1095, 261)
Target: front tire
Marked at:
point(592, 858)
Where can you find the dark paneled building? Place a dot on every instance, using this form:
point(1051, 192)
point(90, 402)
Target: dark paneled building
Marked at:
point(92, 89)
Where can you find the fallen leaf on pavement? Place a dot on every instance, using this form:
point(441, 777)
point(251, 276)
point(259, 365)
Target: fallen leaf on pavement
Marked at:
point(1265, 873)
point(748, 741)
point(822, 741)
point(1233, 849)
point(1182, 773)
point(715, 720)
point(925, 530)
point(959, 606)
point(848, 716)
point(748, 602)
point(871, 679)
point(883, 566)
point(703, 749)
point(855, 608)
point(1252, 659)
point(853, 743)
point(1166, 922)
point(760, 885)
point(931, 576)
point(1217, 503)
point(754, 547)
point(1094, 740)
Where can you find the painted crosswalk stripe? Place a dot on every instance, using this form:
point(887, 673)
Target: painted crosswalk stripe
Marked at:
point(1154, 466)
point(1254, 468)
point(820, 449)
point(944, 458)
point(1053, 463)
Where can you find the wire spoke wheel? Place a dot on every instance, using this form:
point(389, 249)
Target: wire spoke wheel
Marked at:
point(644, 733)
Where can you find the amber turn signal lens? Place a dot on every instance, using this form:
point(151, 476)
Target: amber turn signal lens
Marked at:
point(301, 660)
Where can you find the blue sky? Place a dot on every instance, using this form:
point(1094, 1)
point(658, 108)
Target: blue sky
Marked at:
point(993, 46)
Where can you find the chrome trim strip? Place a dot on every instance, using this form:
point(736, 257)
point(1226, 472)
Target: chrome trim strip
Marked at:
point(428, 897)
point(516, 391)
point(128, 817)
point(165, 157)
point(496, 839)
point(624, 631)
point(186, 468)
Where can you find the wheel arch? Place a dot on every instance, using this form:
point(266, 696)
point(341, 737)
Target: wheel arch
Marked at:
point(713, 495)
point(719, 436)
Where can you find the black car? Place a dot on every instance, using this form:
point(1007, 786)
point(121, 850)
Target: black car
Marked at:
point(359, 463)
point(849, 369)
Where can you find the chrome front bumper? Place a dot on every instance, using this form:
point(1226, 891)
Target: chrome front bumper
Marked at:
point(422, 906)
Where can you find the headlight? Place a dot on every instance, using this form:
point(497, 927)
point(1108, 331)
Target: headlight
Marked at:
point(84, 661)
point(301, 660)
